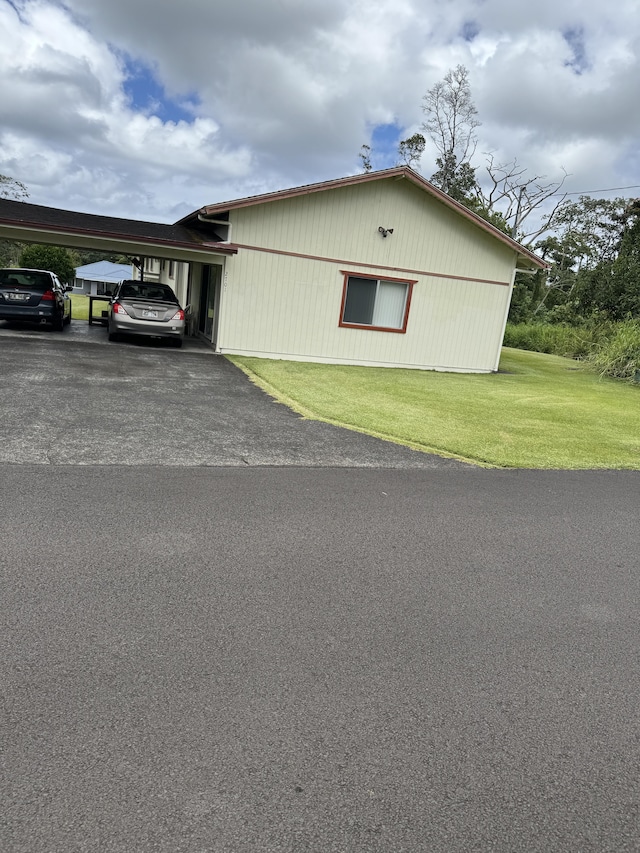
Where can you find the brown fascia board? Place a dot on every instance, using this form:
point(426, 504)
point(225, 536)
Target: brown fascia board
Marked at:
point(71, 223)
point(398, 172)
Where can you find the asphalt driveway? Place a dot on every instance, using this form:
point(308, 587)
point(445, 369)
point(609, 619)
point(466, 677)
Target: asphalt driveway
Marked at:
point(75, 398)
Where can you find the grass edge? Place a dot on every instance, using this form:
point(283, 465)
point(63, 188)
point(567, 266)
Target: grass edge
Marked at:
point(310, 415)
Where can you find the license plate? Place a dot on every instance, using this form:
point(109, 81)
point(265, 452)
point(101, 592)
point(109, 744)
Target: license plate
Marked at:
point(17, 297)
point(151, 314)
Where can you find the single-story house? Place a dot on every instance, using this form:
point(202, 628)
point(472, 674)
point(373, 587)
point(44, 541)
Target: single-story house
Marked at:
point(100, 278)
point(378, 269)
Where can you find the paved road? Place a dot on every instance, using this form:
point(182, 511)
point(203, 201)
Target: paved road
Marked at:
point(242, 658)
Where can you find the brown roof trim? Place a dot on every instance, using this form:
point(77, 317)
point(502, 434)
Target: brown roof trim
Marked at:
point(397, 172)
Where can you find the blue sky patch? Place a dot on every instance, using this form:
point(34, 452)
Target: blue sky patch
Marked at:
point(384, 145)
point(574, 37)
point(469, 30)
point(148, 96)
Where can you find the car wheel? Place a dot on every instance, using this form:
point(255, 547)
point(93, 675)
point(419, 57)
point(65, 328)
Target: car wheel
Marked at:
point(58, 322)
point(177, 342)
point(68, 319)
point(113, 336)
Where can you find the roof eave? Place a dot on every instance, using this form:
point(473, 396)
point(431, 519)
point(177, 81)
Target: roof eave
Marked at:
point(112, 236)
point(398, 172)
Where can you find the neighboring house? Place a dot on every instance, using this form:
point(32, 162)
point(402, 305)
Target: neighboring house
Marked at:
point(100, 278)
point(377, 269)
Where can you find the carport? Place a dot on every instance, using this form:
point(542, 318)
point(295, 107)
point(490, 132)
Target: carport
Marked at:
point(198, 245)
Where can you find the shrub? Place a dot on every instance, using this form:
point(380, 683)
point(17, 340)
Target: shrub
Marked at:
point(619, 356)
point(557, 338)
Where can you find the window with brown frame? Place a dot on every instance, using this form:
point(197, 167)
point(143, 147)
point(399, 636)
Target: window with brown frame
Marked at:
point(375, 303)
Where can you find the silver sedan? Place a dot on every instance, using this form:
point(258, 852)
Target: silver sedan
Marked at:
point(146, 308)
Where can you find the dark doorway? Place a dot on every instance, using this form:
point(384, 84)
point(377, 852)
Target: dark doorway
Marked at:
point(209, 301)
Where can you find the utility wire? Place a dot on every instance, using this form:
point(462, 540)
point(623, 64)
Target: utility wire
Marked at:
point(610, 190)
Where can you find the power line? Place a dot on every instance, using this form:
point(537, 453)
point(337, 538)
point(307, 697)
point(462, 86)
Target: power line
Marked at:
point(610, 190)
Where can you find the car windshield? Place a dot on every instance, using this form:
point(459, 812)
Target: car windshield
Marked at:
point(31, 279)
point(139, 290)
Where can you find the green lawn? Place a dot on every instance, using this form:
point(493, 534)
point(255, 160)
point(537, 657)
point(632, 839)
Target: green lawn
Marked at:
point(80, 307)
point(539, 411)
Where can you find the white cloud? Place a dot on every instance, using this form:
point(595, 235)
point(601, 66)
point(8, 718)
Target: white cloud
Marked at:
point(283, 92)
point(69, 131)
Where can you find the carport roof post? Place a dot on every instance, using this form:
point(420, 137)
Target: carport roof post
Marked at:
point(37, 224)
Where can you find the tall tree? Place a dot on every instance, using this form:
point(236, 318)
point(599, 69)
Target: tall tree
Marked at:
point(506, 196)
point(450, 122)
point(460, 179)
point(410, 150)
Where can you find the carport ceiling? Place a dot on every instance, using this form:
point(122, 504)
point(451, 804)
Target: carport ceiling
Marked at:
point(32, 223)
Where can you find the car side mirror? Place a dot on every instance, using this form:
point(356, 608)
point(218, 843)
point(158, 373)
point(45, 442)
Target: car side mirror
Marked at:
point(68, 287)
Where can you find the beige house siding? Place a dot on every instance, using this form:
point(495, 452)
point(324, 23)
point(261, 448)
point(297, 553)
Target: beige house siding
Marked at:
point(343, 224)
point(283, 307)
point(282, 293)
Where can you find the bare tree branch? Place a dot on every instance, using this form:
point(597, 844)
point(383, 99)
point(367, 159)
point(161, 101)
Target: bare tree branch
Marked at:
point(518, 197)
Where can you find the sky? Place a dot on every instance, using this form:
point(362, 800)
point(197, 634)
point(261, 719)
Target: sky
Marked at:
point(150, 109)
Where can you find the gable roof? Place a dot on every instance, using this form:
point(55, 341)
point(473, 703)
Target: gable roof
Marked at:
point(398, 172)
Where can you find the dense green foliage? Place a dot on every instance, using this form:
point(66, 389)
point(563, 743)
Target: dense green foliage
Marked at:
point(595, 266)
point(588, 305)
point(556, 339)
point(52, 258)
point(619, 354)
point(610, 348)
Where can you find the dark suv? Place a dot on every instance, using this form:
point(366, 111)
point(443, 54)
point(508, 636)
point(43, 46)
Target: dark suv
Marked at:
point(34, 296)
